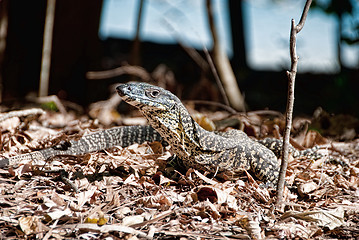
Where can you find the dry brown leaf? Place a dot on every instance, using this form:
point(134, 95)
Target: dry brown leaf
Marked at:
point(57, 214)
point(313, 138)
point(31, 224)
point(132, 220)
point(84, 197)
point(325, 218)
point(292, 230)
point(204, 178)
point(10, 124)
point(305, 188)
point(159, 201)
point(216, 195)
point(252, 227)
point(124, 183)
point(204, 121)
point(132, 180)
point(341, 182)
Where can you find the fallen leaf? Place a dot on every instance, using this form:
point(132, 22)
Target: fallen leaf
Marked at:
point(306, 188)
point(132, 220)
point(325, 218)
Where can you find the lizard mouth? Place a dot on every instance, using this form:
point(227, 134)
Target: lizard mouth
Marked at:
point(129, 95)
point(123, 90)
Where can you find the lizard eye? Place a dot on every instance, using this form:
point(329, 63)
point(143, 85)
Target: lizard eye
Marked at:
point(153, 93)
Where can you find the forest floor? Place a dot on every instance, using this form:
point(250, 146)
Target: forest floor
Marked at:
point(130, 192)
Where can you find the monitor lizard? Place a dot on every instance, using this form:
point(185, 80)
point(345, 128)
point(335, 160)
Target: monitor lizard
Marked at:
point(227, 153)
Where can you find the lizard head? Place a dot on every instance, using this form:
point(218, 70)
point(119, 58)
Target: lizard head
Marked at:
point(147, 97)
point(165, 113)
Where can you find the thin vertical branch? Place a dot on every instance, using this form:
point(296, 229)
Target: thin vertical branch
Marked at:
point(135, 56)
point(3, 34)
point(223, 66)
point(46, 49)
point(216, 77)
point(290, 101)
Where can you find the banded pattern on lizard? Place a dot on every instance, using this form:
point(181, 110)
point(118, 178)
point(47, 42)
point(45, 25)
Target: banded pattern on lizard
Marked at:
point(228, 152)
point(100, 140)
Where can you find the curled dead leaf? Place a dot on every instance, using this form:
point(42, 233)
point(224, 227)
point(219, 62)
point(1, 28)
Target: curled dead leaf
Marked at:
point(306, 188)
point(204, 121)
point(205, 193)
point(217, 195)
point(30, 224)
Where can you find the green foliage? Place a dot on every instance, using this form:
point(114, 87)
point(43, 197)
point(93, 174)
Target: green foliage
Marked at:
point(50, 106)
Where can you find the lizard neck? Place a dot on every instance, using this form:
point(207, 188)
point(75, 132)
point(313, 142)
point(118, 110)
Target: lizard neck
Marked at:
point(178, 128)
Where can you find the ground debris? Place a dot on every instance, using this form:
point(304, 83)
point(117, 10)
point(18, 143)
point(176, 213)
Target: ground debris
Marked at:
point(128, 192)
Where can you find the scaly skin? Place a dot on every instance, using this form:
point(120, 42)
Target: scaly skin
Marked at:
point(222, 152)
point(228, 153)
point(118, 136)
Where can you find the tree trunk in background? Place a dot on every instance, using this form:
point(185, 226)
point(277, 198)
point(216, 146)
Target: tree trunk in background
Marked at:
point(76, 48)
point(339, 43)
point(22, 59)
point(3, 34)
point(239, 60)
point(46, 48)
point(136, 48)
point(223, 66)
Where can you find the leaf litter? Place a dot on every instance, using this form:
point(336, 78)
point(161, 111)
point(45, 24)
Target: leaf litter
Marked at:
point(131, 193)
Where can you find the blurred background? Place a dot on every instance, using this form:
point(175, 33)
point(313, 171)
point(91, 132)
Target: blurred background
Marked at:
point(47, 47)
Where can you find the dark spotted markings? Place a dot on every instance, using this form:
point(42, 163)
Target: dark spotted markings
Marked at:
point(229, 153)
point(118, 136)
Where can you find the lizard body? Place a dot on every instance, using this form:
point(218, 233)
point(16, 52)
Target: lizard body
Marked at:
point(229, 152)
point(118, 136)
point(225, 152)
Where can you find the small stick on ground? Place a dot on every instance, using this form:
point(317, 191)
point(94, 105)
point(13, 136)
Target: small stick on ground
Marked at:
point(21, 113)
point(295, 29)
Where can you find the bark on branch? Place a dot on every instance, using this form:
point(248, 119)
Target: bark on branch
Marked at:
point(295, 29)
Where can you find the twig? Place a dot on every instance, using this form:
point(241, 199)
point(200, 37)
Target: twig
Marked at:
point(211, 103)
point(216, 77)
point(21, 113)
point(196, 57)
point(135, 55)
point(192, 53)
point(153, 220)
point(49, 233)
point(130, 70)
point(68, 182)
point(290, 101)
point(52, 98)
point(265, 112)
